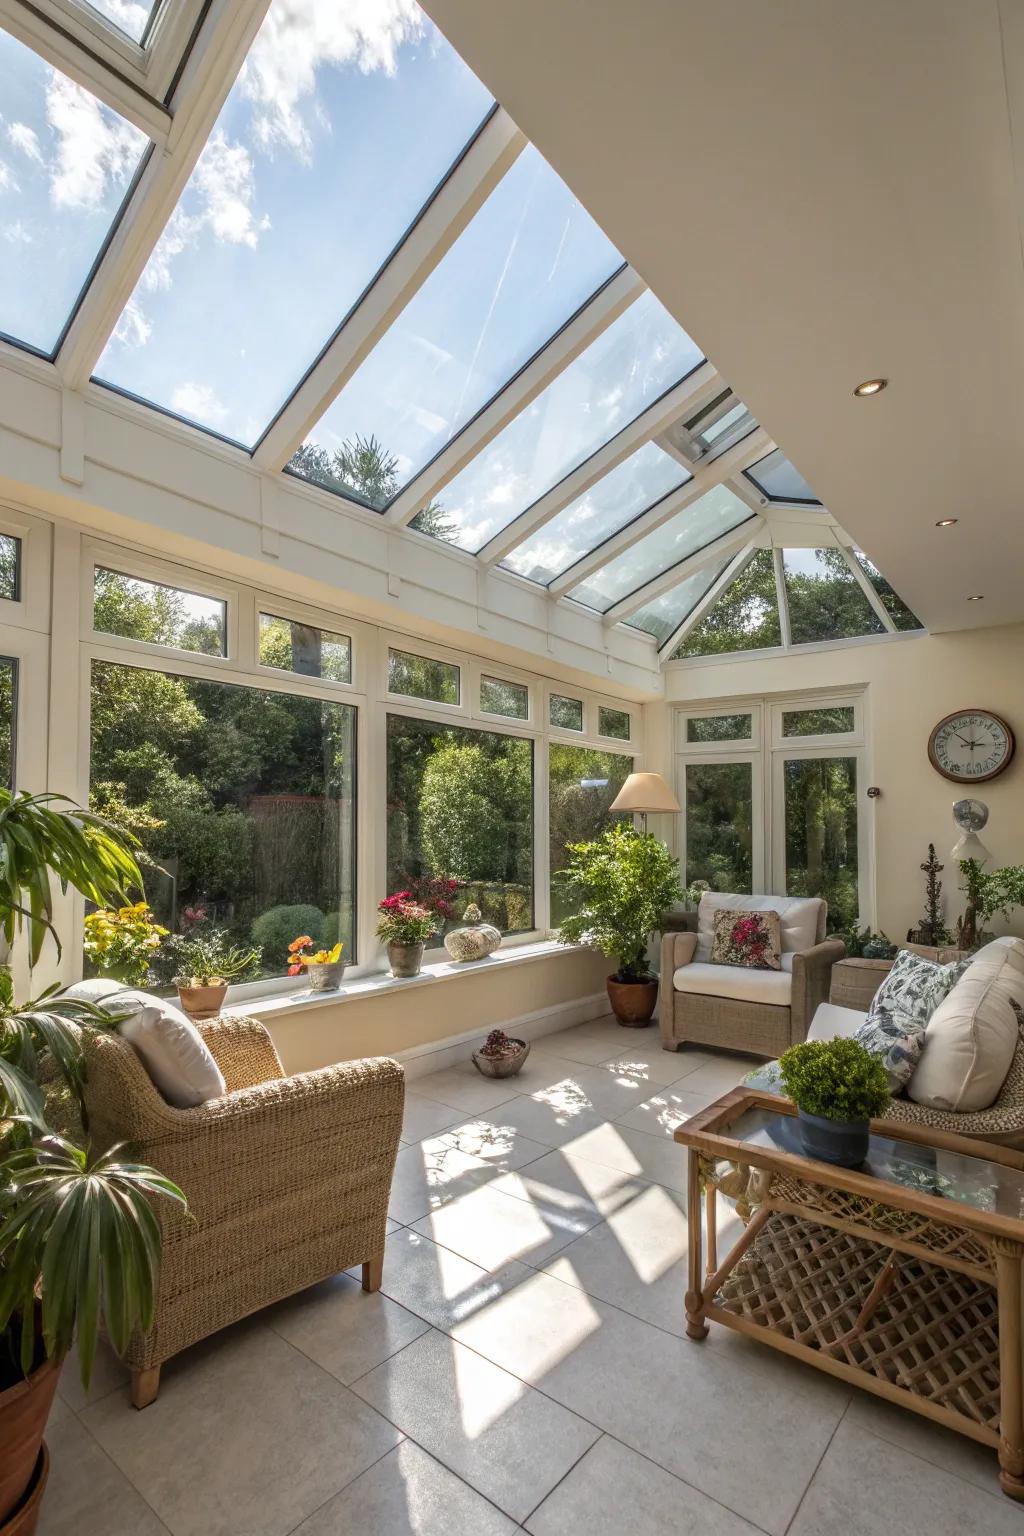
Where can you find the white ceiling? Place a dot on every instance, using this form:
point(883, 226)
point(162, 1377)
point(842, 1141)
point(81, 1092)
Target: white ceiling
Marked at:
point(820, 191)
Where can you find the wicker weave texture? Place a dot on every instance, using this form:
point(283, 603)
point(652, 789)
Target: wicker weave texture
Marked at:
point(287, 1178)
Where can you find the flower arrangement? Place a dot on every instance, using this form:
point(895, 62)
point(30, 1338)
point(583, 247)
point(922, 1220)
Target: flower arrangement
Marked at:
point(435, 892)
point(121, 942)
point(501, 1055)
point(302, 953)
point(404, 920)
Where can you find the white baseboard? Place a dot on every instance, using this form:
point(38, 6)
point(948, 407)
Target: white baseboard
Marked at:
point(419, 1060)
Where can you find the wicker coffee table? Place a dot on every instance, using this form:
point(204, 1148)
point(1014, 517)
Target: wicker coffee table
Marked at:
point(903, 1276)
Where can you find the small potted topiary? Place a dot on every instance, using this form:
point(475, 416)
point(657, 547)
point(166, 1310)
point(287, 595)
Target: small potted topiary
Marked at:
point(501, 1055)
point(838, 1088)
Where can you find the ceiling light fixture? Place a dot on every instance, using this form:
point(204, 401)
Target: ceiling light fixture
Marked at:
point(946, 522)
point(871, 387)
point(979, 597)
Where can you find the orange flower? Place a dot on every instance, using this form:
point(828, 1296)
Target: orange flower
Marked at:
point(301, 943)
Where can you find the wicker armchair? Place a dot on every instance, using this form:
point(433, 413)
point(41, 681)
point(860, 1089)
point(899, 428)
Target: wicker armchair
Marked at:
point(287, 1179)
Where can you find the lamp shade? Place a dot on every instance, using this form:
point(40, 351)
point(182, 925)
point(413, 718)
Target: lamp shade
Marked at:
point(644, 792)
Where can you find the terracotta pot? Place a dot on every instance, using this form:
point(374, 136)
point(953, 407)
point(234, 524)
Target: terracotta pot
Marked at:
point(633, 1002)
point(202, 1002)
point(405, 959)
point(502, 1066)
point(25, 1518)
point(24, 1410)
point(326, 975)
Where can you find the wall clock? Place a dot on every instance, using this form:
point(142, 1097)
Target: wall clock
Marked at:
point(971, 745)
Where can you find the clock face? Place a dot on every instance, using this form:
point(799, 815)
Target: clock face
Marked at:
point(971, 745)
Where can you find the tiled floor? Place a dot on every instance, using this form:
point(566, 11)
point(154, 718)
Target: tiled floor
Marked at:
point(524, 1367)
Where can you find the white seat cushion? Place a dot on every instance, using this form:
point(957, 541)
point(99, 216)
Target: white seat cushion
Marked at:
point(831, 1022)
point(971, 1037)
point(740, 982)
point(798, 918)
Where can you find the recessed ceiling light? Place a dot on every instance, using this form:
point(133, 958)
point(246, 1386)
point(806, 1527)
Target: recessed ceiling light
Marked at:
point(871, 387)
point(979, 597)
point(946, 522)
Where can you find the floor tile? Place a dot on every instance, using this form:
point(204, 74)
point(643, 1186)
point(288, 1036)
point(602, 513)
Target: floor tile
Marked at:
point(664, 1110)
point(437, 1284)
point(408, 1493)
point(552, 1122)
point(490, 1228)
point(342, 1328)
point(649, 1064)
point(594, 1089)
point(501, 1146)
point(653, 1157)
point(246, 1438)
point(508, 1441)
point(430, 1172)
point(614, 1490)
point(571, 1192)
point(587, 1048)
point(108, 1373)
point(86, 1494)
point(425, 1117)
point(716, 1074)
point(472, 1094)
point(867, 1486)
point(932, 1442)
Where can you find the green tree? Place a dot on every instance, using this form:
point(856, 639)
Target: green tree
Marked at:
point(745, 617)
point(364, 466)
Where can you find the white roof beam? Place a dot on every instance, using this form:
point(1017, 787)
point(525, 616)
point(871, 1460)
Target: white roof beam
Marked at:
point(705, 478)
point(219, 52)
point(736, 565)
point(864, 582)
point(686, 396)
point(782, 597)
point(495, 148)
point(719, 549)
point(574, 337)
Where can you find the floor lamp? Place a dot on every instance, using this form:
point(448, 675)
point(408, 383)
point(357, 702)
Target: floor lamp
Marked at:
point(641, 793)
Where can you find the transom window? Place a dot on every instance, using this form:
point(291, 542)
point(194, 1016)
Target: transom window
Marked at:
point(423, 677)
point(158, 614)
point(290, 646)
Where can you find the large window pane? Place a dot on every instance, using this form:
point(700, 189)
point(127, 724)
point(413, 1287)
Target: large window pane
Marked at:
point(294, 647)
point(421, 677)
point(460, 807)
point(629, 366)
point(8, 719)
point(745, 617)
point(616, 499)
point(582, 785)
point(826, 601)
point(524, 264)
point(894, 605)
point(821, 834)
point(780, 480)
point(244, 800)
point(717, 512)
point(65, 166)
point(663, 614)
point(161, 615)
point(336, 132)
point(719, 825)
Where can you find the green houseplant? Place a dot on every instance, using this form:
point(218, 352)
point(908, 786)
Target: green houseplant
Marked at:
point(79, 1243)
point(405, 926)
point(838, 1087)
point(987, 892)
point(618, 888)
point(207, 964)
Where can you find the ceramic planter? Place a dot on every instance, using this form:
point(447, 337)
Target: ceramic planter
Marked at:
point(325, 976)
point(841, 1142)
point(502, 1066)
point(405, 959)
point(633, 1002)
point(24, 1520)
point(202, 1002)
point(24, 1410)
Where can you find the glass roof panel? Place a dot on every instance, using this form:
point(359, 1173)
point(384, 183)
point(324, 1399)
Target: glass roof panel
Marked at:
point(129, 16)
point(336, 132)
point(665, 613)
point(629, 366)
point(780, 480)
point(516, 274)
point(615, 500)
point(66, 162)
point(894, 605)
point(718, 511)
point(826, 601)
point(745, 617)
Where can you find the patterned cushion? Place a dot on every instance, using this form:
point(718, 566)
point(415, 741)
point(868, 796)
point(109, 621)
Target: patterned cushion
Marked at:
point(751, 939)
point(897, 1038)
point(915, 987)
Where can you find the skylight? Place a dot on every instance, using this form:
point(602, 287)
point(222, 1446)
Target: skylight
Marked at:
point(66, 162)
point(128, 16)
point(664, 614)
point(780, 480)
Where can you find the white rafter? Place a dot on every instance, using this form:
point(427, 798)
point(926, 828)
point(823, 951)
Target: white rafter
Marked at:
point(685, 397)
point(495, 148)
point(865, 584)
point(782, 597)
point(718, 549)
point(736, 566)
point(584, 327)
point(227, 31)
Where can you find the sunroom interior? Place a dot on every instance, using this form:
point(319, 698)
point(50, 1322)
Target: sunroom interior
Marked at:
point(415, 419)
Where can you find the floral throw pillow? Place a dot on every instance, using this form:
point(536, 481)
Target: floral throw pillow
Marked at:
point(915, 987)
point(752, 939)
point(897, 1039)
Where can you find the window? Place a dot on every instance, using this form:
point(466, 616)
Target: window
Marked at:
point(613, 722)
point(565, 714)
point(702, 728)
point(721, 423)
point(244, 800)
point(158, 614)
point(664, 614)
point(500, 697)
point(818, 722)
point(289, 646)
point(745, 617)
point(516, 274)
point(67, 163)
point(894, 606)
point(826, 601)
point(629, 366)
point(10, 567)
point(132, 17)
point(582, 783)
point(821, 834)
point(779, 480)
point(421, 677)
point(345, 130)
point(719, 807)
point(8, 719)
point(460, 809)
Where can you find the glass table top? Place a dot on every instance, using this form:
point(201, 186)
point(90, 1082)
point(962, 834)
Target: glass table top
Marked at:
point(972, 1181)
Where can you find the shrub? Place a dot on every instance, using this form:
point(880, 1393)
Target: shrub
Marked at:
point(274, 930)
point(837, 1079)
point(621, 885)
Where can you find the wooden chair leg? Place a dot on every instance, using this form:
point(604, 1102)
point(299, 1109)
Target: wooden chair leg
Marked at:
point(145, 1386)
point(373, 1273)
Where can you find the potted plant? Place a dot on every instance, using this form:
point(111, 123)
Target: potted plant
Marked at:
point(987, 892)
point(405, 926)
point(838, 1087)
point(324, 967)
point(620, 887)
point(79, 1244)
point(121, 943)
point(501, 1055)
point(206, 966)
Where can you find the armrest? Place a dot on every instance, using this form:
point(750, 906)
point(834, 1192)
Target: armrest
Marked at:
point(676, 949)
point(855, 982)
point(243, 1050)
point(812, 973)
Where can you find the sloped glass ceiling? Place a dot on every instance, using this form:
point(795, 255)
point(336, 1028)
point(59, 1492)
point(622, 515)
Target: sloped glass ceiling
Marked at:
point(780, 480)
point(128, 16)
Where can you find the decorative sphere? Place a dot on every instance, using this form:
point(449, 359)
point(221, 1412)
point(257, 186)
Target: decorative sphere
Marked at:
point(970, 815)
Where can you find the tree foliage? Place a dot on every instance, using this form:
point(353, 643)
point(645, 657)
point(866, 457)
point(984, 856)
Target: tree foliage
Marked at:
point(363, 466)
point(619, 887)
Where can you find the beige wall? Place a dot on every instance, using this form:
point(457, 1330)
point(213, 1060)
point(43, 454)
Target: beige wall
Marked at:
point(910, 685)
point(396, 1018)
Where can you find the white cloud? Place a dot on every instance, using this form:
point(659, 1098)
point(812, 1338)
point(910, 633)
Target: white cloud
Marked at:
point(300, 35)
point(7, 181)
point(130, 17)
point(94, 147)
point(223, 180)
point(25, 138)
point(17, 234)
point(133, 329)
point(200, 403)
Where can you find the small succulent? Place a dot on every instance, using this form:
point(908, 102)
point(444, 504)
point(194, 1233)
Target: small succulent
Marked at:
point(500, 1044)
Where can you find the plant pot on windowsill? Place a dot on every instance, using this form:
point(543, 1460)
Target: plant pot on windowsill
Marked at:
point(405, 959)
point(633, 1000)
point(325, 975)
point(202, 1002)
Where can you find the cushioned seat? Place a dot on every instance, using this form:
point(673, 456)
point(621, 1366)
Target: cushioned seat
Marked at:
point(752, 986)
point(831, 1022)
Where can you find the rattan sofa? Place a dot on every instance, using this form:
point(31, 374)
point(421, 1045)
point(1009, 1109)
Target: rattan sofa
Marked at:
point(287, 1179)
point(738, 1023)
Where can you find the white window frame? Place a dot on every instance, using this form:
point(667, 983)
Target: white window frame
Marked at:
point(393, 641)
point(292, 612)
point(501, 674)
point(31, 609)
point(728, 745)
point(758, 791)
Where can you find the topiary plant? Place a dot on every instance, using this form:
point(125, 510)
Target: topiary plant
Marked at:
point(836, 1079)
point(274, 930)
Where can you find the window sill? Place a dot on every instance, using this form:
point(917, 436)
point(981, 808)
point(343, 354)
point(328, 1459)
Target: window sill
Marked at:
point(284, 1005)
